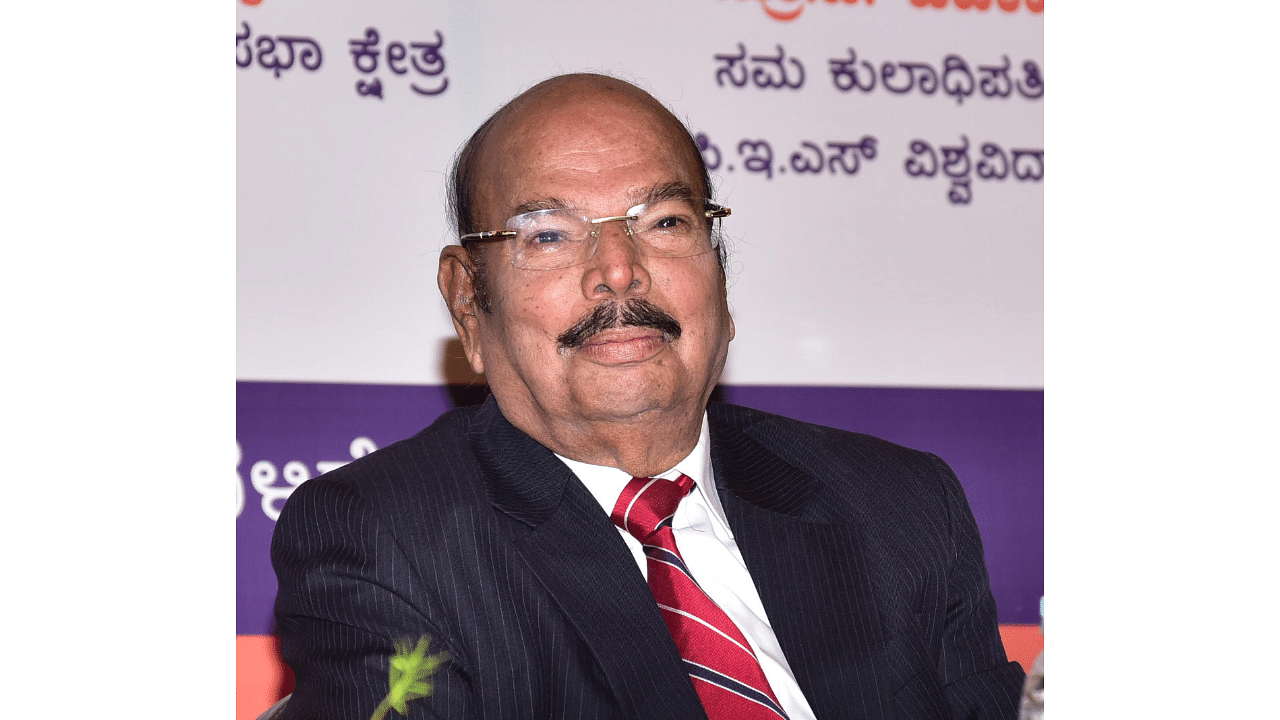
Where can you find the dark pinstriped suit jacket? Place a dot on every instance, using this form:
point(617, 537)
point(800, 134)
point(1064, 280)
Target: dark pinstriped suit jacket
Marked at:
point(865, 554)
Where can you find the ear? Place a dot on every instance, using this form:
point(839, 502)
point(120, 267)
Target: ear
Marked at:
point(724, 289)
point(456, 281)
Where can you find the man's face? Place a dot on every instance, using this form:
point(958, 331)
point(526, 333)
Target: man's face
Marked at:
point(599, 154)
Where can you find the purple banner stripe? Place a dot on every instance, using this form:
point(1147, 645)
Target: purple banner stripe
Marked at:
point(289, 432)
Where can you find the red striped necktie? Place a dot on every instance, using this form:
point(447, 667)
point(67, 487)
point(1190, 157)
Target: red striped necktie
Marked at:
point(722, 666)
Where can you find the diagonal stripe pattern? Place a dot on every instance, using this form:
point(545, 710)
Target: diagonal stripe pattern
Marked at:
point(720, 663)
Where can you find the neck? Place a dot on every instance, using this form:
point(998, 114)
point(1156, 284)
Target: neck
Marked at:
point(642, 446)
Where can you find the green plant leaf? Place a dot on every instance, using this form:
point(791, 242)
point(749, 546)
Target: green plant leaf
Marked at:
point(411, 671)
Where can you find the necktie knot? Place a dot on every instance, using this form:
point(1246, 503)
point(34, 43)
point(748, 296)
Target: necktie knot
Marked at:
point(647, 504)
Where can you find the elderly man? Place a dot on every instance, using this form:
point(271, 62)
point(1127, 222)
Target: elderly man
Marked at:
point(596, 541)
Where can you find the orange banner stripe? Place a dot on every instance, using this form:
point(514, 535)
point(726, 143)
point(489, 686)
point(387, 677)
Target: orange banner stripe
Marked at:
point(262, 678)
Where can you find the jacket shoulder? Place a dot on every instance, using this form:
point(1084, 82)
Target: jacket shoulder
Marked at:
point(856, 474)
point(437, 461)
point(809, 442)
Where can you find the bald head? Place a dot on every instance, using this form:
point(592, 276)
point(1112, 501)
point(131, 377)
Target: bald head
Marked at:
point(561, 102)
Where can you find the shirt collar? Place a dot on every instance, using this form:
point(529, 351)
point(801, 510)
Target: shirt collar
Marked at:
point(606, 483)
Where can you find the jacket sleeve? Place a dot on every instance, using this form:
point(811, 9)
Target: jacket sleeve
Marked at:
point(978, 680)
point(346, 595)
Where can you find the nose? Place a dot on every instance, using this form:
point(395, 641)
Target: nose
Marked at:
point(617, 269)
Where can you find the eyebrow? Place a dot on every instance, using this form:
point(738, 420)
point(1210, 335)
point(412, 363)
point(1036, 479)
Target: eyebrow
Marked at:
point(535, 205)
point(667, 191)
point(657, 193)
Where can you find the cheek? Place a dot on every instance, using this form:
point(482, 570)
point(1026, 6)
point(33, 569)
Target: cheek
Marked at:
point(700, 306)
point(542, 309)
point(529, 316)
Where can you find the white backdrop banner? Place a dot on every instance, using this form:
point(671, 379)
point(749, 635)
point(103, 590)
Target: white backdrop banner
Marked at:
point(883, 158)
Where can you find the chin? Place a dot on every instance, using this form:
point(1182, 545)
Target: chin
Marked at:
point(634, 396)
point(627, 403)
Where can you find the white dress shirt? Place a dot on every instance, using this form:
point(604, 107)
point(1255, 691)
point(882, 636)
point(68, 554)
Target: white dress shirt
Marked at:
point(705, 542)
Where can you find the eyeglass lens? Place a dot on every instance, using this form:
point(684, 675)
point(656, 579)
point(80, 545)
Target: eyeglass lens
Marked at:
point(560, 238)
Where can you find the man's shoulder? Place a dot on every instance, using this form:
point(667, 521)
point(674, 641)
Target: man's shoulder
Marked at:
point(779, 431)
point(446, 435)
point(842, 461)
point(438, 459)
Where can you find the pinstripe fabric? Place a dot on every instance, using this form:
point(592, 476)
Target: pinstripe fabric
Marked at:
point(865, 555)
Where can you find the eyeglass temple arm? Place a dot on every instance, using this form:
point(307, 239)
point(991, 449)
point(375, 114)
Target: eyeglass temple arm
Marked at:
point(486, 235)
point(712, 211)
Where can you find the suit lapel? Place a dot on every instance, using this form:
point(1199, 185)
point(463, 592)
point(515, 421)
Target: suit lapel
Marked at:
point(809, 568)
point(576, 553)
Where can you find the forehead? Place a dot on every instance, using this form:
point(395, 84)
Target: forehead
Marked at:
point(586, 147)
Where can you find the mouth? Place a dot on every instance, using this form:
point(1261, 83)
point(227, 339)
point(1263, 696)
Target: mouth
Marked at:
point(624, 345)
point(623, 335)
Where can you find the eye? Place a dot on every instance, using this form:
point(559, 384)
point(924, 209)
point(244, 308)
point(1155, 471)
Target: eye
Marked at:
point(547, 237)
point(671, 222)
point(544, 230)
point(668, 217)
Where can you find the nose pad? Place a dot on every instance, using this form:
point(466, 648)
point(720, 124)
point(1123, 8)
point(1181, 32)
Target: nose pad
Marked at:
point(602, 224)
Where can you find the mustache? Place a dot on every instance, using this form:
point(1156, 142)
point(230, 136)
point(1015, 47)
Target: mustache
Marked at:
point(636, 312)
